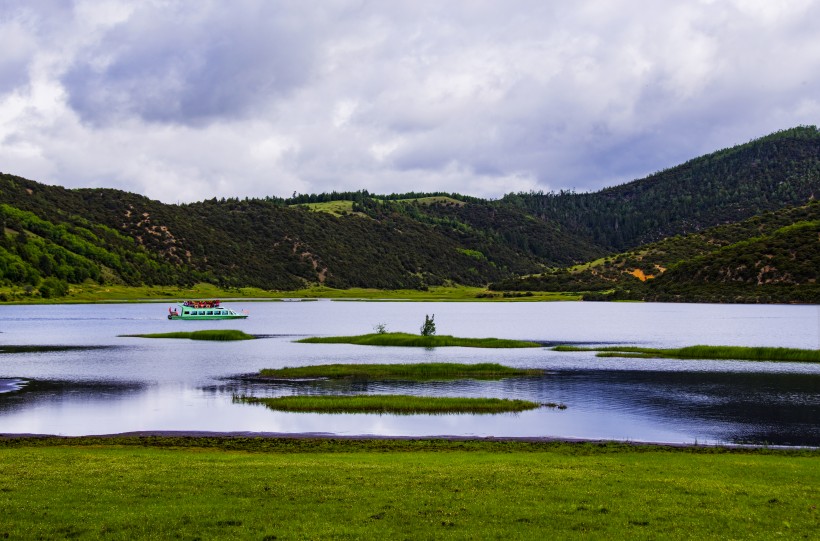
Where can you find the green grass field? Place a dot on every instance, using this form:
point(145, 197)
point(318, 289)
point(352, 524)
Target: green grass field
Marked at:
point(390, 403)
point(414, 371)
point(417, 341)
point(218, 335)
point(707, 352)
point(94, 293)
point(175, 488)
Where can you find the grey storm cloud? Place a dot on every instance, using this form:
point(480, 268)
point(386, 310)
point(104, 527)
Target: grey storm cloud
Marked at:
point(20, 25)
point(183, 100)
point(192, 62)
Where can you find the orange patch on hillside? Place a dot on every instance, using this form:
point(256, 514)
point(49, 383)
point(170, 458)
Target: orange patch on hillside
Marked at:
point(639, 274)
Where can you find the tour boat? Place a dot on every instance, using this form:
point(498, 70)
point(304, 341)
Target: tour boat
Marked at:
point(204, 310)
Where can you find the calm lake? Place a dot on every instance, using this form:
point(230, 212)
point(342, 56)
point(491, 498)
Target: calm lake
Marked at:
point(136, 384)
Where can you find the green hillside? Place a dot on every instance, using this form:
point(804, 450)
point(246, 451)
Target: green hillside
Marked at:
point(36, 253)
point(781, 266)
point(264, 243)
point(773, 257)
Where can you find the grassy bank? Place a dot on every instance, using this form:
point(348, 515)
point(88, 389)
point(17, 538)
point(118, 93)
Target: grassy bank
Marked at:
point(93, 293)
point(294, 489)
point(215, 334)
point(389, 403)
point(415, 371)
point(414, 340)
point(707, 352)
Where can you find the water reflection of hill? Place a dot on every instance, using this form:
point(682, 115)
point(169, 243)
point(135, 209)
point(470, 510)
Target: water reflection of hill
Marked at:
point(29, 393)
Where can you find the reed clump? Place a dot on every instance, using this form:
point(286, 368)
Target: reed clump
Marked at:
point(737, 353)
point(389, 404)
point(216, 335)
point(409, 371)
point(415, 340)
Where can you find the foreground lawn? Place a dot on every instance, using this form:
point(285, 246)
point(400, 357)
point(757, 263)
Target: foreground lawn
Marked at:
point(296, 489)
point(707, 352)
point(414, 371)
point(216, 334)
point(417, 341)
point(390, 403)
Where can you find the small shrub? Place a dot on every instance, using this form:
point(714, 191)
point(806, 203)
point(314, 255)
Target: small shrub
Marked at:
point(429, 327)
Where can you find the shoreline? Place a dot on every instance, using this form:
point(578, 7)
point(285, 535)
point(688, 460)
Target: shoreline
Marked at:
point(194, 435)
point(96, 294)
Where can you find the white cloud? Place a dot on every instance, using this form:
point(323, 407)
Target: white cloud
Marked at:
point(183, 100)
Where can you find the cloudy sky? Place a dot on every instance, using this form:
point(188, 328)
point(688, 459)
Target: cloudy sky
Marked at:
point(187, 100)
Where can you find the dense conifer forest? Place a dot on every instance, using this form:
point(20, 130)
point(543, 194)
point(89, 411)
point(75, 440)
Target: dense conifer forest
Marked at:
point(736, 224)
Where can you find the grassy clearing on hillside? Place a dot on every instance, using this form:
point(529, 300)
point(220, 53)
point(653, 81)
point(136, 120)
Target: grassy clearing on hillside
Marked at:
point(215, 334)
point(417, 341)
point(238, 488)
point(434, 200)
point(390, 404)
point(415, 371)
point(336, 208)
point(707, 352)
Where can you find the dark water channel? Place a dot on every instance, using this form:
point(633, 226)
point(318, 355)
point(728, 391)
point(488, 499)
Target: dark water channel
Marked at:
point(131, 384)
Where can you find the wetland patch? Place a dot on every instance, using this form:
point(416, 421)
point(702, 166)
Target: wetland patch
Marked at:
point(213, 335)
point(729, 353)
point(391, 404)
point(418, 341)
point(406, 371)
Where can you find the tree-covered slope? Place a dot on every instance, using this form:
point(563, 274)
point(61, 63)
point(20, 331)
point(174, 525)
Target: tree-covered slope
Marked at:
point(39, 253)
point(782, 169)
point(771, 257)
point(267, 242)
point(780, 266)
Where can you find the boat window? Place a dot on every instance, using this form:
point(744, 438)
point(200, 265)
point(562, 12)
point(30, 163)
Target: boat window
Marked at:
point(210, 312)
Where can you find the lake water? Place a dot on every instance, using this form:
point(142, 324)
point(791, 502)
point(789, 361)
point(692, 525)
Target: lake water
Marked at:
point(134, 384)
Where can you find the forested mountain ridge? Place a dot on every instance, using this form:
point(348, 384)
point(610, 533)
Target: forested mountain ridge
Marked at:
point(54, 236)
point(258, 242)
point(781, 169)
